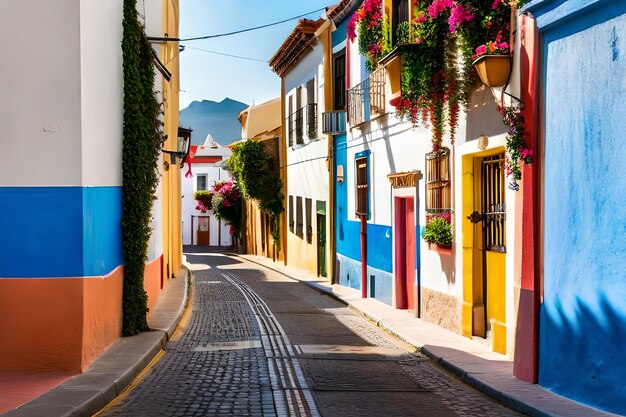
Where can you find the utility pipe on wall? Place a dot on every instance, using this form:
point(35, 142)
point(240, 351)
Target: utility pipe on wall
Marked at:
point(363, 255)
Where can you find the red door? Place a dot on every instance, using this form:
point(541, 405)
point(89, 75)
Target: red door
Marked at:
point(409, 236)
point(405, 252)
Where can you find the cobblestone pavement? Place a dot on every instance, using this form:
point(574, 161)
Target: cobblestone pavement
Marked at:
point(259, 343)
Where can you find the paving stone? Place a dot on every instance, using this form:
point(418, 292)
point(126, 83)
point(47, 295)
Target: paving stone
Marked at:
point(222, 365)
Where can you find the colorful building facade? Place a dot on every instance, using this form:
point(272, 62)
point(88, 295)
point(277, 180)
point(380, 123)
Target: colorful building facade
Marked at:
point(303, 63)
point(61, 262)
point(262, 122)
point(380, 250)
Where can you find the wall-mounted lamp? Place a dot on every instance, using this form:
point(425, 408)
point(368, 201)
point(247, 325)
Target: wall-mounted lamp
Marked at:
point(340, 174)
point(183, 144)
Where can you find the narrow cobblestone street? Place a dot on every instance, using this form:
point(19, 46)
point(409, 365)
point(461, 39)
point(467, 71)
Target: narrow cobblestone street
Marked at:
point(257, 343)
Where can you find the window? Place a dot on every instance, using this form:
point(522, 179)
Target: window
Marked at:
point(308, 203)
point(400, 15)
point(311, 110)
point(299, 217)
point(299, 118)
point(438, 181)
point(201, 182)
point(290, 122)
point(362, 186)
point(339, 81)
point(290, 208)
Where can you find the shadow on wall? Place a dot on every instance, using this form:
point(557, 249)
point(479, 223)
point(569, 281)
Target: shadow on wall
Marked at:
point(582, 352)
point(482, 116)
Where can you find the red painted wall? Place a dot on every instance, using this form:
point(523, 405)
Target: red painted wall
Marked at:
point(526, 342)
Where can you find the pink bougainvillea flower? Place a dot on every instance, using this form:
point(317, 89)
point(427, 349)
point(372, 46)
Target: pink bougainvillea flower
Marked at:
point(481, 50)
point(526, 153)
point(459, 15)
point(374, 49)
point(420, 18)
point(351, 28)
point(439, 6)
point(495, 4)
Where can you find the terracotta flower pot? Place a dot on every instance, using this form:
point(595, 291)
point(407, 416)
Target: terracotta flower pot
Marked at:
point(440, 249)
point(493, 70)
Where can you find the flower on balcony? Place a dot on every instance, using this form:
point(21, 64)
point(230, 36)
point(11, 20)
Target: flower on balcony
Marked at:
point(517, 152)
point(434, 87)
point(367, 23)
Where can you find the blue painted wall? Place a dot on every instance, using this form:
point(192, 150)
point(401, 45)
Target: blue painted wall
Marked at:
point(582, 340)
point(348, 238)
point(60, 231)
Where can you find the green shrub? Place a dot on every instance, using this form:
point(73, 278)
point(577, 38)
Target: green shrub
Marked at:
point(438, 231)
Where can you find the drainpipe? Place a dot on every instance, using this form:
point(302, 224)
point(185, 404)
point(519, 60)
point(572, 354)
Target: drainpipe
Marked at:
point(363, 255)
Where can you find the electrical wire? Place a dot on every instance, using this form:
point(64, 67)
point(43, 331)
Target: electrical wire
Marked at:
point(250, 29)
point(229, 55)
point(219, 35)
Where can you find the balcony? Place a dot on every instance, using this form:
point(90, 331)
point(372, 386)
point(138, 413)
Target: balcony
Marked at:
point(334, 122)
point(302, 120)
point(367, 98)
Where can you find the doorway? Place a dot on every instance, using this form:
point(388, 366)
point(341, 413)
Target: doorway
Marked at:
point(488, 289)
point(404, 225)
point(321, 238)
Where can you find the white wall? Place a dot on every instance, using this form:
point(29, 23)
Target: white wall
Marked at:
point(102, 91)
point(306, 68)
point(40, 100)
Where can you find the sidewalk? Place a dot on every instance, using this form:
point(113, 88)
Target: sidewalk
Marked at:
point(472, 362)
point(110, 374)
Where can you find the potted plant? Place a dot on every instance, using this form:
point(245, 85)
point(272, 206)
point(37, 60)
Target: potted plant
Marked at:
point(493, 62)
point(438, 233)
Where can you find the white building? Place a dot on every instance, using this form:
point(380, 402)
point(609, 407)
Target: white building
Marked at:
point(206, 167)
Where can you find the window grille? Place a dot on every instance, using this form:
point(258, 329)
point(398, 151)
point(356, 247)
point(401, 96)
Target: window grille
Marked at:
point(438, 196)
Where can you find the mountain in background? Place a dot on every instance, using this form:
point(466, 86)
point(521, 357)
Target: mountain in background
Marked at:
point(218, 119)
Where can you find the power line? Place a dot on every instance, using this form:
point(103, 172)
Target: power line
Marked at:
point(219, 35)
point(229, 55)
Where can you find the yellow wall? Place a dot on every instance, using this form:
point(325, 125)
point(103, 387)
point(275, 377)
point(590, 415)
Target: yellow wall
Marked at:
point(171, 192)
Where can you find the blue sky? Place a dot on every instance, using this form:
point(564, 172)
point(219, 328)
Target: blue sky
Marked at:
point(214, 77)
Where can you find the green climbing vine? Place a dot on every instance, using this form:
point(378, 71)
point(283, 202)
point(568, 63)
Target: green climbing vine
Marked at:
point(142, 143)
point(257, 179)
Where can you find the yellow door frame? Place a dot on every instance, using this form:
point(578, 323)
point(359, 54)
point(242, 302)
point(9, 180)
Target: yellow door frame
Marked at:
point(473, 309)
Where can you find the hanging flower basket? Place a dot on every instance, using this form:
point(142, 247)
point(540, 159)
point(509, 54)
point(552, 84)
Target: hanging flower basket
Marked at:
point(493, 70)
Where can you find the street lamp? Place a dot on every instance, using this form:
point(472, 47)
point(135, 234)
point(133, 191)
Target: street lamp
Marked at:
point(183, 143)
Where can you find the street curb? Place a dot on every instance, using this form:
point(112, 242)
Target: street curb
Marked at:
point(89, 392)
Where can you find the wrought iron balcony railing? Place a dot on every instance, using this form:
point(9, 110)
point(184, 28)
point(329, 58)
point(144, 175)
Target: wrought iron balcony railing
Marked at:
point(300, 121)
point(367, 98)
point(334, 122)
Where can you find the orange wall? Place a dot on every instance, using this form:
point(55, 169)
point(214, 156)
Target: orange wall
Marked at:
point(152, 281)
point(58, 324)
point(102, 314)
point(64, 324)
